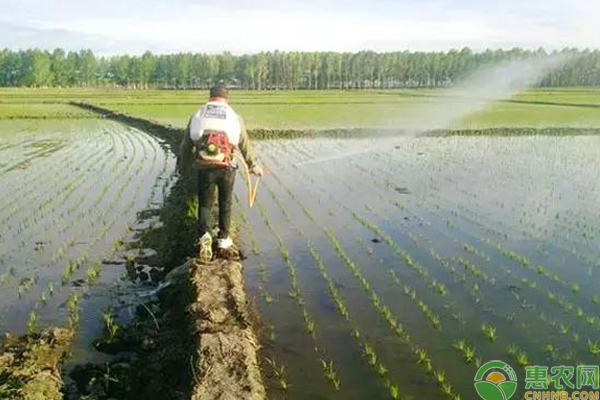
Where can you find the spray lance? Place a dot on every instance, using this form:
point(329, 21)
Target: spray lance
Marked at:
point(252, 187)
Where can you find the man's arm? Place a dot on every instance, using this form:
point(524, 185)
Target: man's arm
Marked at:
point(245, 146)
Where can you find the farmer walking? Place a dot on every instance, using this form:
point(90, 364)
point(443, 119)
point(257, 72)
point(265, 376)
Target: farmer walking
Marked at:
point(214, 133)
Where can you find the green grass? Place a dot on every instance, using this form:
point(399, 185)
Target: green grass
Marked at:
point(569, 107)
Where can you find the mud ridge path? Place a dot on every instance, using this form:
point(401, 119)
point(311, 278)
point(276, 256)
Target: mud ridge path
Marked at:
point(225, 363)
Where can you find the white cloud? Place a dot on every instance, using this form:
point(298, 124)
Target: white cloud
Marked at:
point(238, 26)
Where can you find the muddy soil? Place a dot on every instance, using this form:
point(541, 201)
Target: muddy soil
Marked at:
point(226, 364)
point(30, 365)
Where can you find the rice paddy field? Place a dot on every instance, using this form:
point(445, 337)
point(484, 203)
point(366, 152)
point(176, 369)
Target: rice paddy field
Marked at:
point(393, 273)
point(73, 193)
point(563, 107)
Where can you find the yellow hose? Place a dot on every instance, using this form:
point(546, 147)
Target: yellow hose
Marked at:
point(252, 189)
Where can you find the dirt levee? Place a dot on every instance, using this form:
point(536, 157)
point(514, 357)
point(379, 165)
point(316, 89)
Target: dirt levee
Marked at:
point(226, 365)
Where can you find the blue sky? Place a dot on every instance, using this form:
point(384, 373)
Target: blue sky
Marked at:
point(117, 26)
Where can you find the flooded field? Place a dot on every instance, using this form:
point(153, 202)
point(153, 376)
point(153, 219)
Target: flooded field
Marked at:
point(378, 268)
point(73, 194)
point(396, 273)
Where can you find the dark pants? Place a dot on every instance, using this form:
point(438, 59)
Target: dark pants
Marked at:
point(210, 179)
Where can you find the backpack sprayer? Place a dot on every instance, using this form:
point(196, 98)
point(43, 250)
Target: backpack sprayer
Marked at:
point(215, 150)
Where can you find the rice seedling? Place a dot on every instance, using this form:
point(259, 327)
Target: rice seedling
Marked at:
point(25, 286)
point(110, 324)
point(279, 373)
point(489, 331)
point(440, 377)
point(331, 374)
point(32, 323)
point(469, 353)
point(93, 273)
point(593, 347)
point(73, 307)
point(394, 392)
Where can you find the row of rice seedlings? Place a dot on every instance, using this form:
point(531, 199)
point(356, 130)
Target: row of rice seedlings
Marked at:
point(83, 159)
point(541, 235)
point(41, 213)
point(32, 323)
point(490, 332)
point(559, 299)
point(487, 329)
point(405, 256)
point(486, 227)
point(368, 351)
point(277, 371)
point(94, 272)
point(396, 327)
point(74, 310)
point(262, 268)
point(433, 318)
point(69, 270)
point(245, 223)
point(476, 252)
point(474, 270)
point(61, 249)
point(27, 185)
point(566, 230)
point(296, 294)
point(522, 260)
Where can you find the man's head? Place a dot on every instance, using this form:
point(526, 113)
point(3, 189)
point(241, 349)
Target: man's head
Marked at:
point(219, 90)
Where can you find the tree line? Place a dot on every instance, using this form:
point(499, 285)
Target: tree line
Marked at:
point(273, 70)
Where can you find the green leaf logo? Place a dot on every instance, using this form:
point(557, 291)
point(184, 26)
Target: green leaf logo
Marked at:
point(496, 380)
